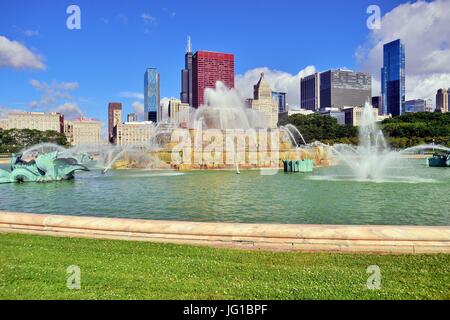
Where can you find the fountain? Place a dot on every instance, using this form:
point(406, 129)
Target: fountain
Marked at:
point(290, 129)
point(224, 109)
point(225, 195)
point(372, 159)
point(242, 136)
point(45, 167)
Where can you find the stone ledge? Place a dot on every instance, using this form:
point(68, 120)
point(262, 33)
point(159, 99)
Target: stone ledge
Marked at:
point(285, 237)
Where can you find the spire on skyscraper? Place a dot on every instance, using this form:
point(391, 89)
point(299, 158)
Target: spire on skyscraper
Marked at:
point(189, 45)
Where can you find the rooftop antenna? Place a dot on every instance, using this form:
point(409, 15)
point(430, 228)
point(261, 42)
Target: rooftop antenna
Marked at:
point(189, 45)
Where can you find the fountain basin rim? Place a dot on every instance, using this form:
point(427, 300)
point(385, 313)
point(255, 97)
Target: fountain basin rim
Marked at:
point(286, 237)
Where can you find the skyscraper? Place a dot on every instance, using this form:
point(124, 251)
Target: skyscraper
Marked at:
point(280, 98)
point(114, 110)
point(263, 102)
point(336, 88)
point(310, 92)
point(393, 78)
point(344, 88)
point(442, 100)
point(151, 94)
point(207, 69)
point(186, 75)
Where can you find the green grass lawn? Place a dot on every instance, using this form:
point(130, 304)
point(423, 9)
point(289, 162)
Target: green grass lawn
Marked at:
point(34, 267)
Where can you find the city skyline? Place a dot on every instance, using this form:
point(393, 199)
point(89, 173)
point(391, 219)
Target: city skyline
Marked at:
point(56, 77)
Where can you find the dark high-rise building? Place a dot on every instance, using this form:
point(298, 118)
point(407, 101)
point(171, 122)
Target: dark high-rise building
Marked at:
point(280, 98)
point(344, 88)
point(151, 93)
point(310, 92)
point(335, 89)
point(377, 102)
point(207, 69)
point(393, 78)
point(114, 110)
point(186, 76)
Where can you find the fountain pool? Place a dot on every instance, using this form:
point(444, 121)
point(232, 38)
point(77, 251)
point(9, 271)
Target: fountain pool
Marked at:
point(248, 197)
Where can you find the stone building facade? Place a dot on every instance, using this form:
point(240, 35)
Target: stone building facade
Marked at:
point(36, 120)
point(264, 103)
point(442, 100)
point(83, 132)
point(135, 133)
point(178, 112)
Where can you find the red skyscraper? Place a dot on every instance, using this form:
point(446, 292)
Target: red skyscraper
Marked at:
point(207, 68)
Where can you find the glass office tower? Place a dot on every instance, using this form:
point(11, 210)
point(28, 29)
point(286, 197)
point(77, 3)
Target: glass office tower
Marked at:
point(280, 98)
point(151, 94)
point(393, 78)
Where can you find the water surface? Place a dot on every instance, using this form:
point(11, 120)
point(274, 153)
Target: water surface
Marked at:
point(408, 196)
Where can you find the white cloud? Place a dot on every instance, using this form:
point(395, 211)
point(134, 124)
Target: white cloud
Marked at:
point(26, 32)
point(15, 55)
point(4, 111)
point(424, 29)
point(138, 108)
point(122, 18)
point(31, 33)
point(147, 18)
point(278, 81)
point(68, 85)
point(69, 110)
point(52, 92)
point(131, 95)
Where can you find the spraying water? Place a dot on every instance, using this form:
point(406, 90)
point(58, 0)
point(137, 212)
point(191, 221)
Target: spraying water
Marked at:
point(290, 129)
point(40, 148)
point(372, 159)
point(224, 109)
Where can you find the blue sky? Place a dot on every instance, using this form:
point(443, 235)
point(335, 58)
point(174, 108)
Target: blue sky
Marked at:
point(108, 56)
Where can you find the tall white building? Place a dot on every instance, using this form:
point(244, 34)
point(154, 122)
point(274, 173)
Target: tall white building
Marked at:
point(178, 112)
point(264, 103)
point(83, 131)
point(163, 111)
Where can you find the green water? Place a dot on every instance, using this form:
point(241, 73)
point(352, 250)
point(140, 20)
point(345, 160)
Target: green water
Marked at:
point(326, 196)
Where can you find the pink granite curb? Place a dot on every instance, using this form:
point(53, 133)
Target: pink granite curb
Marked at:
point(301, 237)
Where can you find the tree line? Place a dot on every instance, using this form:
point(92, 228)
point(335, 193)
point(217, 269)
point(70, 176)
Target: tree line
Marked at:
point(404, 131)
point(14, 140)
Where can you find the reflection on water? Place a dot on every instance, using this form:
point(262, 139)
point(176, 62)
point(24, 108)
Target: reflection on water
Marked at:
point(327, 196)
